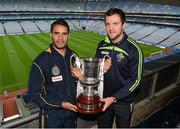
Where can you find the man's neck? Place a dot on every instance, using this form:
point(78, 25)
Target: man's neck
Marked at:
point(61, 51)
point(119, 39)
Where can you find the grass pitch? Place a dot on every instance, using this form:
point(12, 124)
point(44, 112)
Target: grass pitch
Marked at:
point(18, 51)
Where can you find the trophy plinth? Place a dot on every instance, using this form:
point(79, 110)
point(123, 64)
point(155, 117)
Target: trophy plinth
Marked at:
point(89, 109)
point(88, 100)
point(88, 105)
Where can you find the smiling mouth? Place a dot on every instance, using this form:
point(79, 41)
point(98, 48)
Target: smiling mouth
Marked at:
point(112, 34)
point(60, 43)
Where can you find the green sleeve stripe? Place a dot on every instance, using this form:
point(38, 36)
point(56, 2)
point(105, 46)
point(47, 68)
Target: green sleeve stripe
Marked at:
point(120, 50)
point(139, 68)
point(107, 48)
point(134, 86)
point(139, 65)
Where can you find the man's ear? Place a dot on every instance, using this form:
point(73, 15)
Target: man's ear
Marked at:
point(69, 36)
point(50, 34)
point(124, 25)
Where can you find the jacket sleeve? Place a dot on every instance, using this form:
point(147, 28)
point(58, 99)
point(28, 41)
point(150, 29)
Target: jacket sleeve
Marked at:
point(36, 89)
point(135, 74)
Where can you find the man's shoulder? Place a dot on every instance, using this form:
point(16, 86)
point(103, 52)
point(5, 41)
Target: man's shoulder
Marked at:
point(134, 46)
point(71, 51)
point(42, 57)
point(102, 43)
point(133, 43)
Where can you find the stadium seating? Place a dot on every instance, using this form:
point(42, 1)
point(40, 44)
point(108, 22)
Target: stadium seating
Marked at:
point(13, 28)
point(159, 35)
point(167, 116)
point(144, 32)
point(138, 28)
point(1, 29)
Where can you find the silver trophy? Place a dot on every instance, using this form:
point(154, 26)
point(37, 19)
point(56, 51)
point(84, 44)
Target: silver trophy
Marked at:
point(90, 88)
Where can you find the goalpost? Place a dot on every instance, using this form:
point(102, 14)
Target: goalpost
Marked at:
point(158, 53)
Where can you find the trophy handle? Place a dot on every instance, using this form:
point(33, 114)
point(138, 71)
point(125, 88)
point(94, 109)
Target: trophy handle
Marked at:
point(101, 73)
point(77, 62)
point(101, 77)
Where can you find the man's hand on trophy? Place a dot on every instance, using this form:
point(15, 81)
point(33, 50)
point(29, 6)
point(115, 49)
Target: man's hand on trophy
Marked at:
point(107, 65)
point(76, 72)
point(107, 102)
point(69, 106)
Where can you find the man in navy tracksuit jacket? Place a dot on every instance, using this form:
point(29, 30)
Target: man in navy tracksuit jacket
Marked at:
point(125, 72)
point(51, 84)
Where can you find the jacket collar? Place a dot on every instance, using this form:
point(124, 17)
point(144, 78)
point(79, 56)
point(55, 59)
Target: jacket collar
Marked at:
point(52, 50)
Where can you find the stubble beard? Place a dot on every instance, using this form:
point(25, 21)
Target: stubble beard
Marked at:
point(59, 48)
point(114, 38)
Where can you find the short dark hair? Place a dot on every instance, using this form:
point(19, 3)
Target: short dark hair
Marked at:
point(60, 22)
point(113, 11)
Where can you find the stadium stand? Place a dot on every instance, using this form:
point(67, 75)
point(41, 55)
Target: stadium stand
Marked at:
point(91, 5)
point(143, 32)
point(103, 5)
point(159, 35)
point(172, 40)
point(134, 28)
point(29, 27)
point(1, 29)
point(43, 26)
point(68, 6)
point(177, 45)
point(13, 27)
point(132, 8)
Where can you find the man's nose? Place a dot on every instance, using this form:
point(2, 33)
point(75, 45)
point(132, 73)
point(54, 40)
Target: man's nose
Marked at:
point(110, 27)
point(60, 36)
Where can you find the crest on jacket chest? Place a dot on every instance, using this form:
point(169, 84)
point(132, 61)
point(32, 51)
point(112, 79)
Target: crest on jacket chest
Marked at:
point(120, 57)
point(55, 70)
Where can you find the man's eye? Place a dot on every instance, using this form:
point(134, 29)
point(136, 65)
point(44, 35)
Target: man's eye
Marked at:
point(55, 33)
point(116, 23)
point(65, 33)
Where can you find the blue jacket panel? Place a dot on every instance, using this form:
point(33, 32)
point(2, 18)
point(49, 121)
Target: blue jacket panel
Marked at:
point(126, 70)
point(51, 82)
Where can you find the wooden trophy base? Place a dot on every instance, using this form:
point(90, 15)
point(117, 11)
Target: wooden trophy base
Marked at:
point(85, 111)
point(89, 105)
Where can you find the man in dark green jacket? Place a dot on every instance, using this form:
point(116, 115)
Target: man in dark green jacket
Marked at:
point(125, 73)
